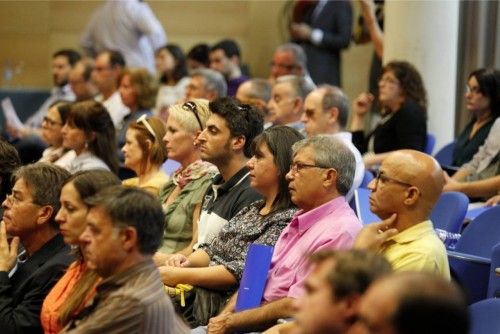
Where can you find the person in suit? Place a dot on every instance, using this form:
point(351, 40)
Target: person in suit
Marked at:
point(27, 277)
point(323, 30)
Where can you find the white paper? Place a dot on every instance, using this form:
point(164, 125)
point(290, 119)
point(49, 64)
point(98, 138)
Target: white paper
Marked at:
point(10, 114)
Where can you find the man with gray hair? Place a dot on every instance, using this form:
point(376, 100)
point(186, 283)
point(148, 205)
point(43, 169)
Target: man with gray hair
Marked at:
point(287, 101)
point(319, 177)
point(289, 59)
point(29, 213)
point(326, 110)
point(206, 84)
point(256, 92)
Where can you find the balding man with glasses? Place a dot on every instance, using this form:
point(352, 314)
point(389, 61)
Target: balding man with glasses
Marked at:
point(404, 193)
point(320, 175)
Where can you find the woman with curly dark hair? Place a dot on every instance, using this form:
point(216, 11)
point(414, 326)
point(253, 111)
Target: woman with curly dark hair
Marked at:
point(403, 125)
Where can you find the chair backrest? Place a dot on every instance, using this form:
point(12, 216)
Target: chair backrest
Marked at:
point(362, 201)
point(429, 144)
point(445, 155)
point(254, 276)
point(367, 178)
point(449, 211)
point(484, 316)
point(479, 237)
point(494, 281)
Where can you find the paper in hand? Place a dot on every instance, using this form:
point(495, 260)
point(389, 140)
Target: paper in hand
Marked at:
point(10, 114)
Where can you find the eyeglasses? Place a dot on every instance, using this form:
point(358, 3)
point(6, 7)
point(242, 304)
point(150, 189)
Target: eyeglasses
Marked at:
point(50, 122)
point(297, 167)
point(474, 90)
point(384, 178)
point(16, 201)
point(284, 66)
point(389, 80)
point(191, 106)
point(143, 120)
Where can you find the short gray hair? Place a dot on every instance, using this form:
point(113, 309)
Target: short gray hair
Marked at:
point(298, 54)
point(334, 97)
point(330, 152)
point(260, 89)
point(45, 182)
point(214, 81)
point(299, 84)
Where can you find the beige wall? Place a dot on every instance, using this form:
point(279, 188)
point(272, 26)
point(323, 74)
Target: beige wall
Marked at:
point(30, 31)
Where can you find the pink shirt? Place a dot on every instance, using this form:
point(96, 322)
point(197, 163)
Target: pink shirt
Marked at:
point(332, 225)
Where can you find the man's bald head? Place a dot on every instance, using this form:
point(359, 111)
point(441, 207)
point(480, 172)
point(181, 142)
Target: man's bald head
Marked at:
point(414, 302)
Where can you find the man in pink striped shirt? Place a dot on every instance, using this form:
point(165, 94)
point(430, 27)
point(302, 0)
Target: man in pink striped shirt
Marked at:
point(320, 175)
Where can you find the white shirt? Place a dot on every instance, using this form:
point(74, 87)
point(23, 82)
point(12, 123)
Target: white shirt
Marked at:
point(117, 110)
point(86, 161)
point(127, 26)
point(359, 173)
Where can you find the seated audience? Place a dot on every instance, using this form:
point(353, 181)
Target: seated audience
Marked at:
point(28, 216)
point(124, 229)
point(205, 84)
point(403, 125)
point(287, 101)
point(197, 57)
point(107, 69)
point(256, 92)
point(333, 291)
point(171, 67)
point(320, 175)
point(77, 286)
point(138, 91)
point(52, 126)
point(182, 195)
point(27, 139)
point(216, 268)
point(404, 193)
point(412, 303)
point(89, 132)
point(144, 153)
point(326, 110)
point(225, 58)
point(483, 102)
point(80, 80)
point(226, 143)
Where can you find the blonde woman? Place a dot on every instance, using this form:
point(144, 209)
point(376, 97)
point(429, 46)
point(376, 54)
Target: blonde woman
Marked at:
point(182, 195)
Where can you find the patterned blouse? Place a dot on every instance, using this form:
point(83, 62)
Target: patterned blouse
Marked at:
point(248, 226)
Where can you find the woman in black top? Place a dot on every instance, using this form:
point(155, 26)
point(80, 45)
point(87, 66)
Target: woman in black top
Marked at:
point(482, 100)
point(403, 124)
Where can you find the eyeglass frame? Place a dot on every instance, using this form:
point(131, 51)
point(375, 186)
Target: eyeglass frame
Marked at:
point(296, 167)
point(13, 200)
point(144, 121)
point(385, 178)
point(51, 122)
point(191, 106)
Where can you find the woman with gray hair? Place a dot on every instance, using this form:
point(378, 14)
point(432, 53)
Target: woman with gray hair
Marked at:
point(182, 195)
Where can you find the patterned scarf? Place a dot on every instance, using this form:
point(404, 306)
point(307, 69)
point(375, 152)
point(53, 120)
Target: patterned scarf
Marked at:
point(194, 171)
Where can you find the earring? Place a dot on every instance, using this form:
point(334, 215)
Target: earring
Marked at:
point(86, 145)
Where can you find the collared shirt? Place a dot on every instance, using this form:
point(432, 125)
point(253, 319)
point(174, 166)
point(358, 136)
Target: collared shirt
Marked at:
point(359, 173)
point(417, 248)
point(222, 201)
point(115, 107)
point(129, 302)
point(332, 225)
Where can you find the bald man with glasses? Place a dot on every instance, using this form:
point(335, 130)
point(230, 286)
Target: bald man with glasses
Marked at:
point(404, 193)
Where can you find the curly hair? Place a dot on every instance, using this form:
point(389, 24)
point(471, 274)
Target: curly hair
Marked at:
point(145, 86)
point(410, 81)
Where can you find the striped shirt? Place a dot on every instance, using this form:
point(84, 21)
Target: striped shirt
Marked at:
point(130, 302)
